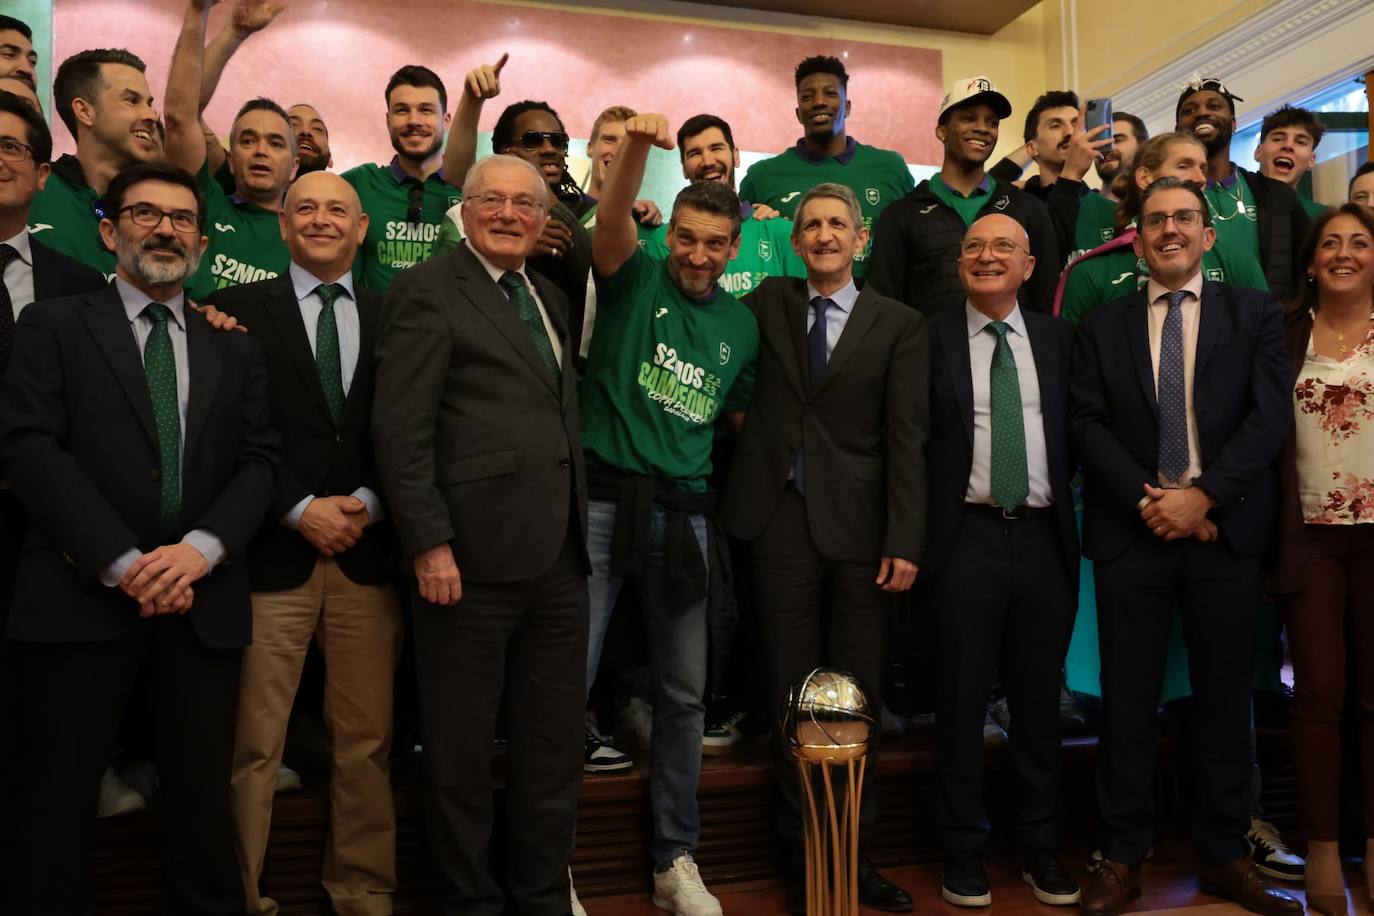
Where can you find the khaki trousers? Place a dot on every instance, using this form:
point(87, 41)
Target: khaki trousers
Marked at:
point(358, 628)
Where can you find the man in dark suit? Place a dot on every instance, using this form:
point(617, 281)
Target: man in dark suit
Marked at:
point(321, 564)
point(475, 425)
point(828, 482)
point(1180, 401)
point(139, 445)
point(1002, 555)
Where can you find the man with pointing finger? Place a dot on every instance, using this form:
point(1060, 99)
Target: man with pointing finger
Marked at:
point(475, 426)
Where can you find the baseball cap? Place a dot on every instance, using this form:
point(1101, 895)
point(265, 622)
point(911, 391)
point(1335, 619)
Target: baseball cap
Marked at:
point(1199, 83)
point(974, 89)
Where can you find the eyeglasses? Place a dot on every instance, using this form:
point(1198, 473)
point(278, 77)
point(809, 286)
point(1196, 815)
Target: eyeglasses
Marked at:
point(14, 151)
point(523, 204)
point(1000, 248)
point(1183, 219)
point(150, 217)
point(534, 139)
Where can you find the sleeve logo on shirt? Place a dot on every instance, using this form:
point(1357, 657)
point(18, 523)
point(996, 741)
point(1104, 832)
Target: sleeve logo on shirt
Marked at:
point(1216, 275)
point(454, 200)
point(791, 197)
point(39, 227)
point(765, 250)
point(872, 196)
point(1002, 203)
point(225, 227)
point(1105, 234)
point(724, 353)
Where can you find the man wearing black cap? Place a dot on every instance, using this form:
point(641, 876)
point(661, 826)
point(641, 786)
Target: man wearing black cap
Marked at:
point(1252, 213)
point(916, 242)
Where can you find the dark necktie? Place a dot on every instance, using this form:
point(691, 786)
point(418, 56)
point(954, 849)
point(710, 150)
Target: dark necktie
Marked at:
point(1009, 478)
point(519, 293)
point(7, 254)
point(815, 341)
point(327, 361)
point(1173, 407)
point(159, 364)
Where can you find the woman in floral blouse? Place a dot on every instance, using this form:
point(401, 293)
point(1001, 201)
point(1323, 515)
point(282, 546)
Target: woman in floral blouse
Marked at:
point(1326, 536)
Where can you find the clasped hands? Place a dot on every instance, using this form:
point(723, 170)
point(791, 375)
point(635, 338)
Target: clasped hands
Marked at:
point(160, 580)
point(1172, 514)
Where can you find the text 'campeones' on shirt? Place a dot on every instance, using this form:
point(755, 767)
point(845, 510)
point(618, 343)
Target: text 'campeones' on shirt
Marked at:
point(393, 242)
point(245, 242)
point(660, 371)
point(765, 250)
point(878, 177)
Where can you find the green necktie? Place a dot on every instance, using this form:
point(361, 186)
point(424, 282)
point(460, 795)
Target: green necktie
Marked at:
point(160, 365)
point(1010, 481)
point(327, 362)
point(519, 293)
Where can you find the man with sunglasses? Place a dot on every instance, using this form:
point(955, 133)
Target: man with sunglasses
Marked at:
point(138, 441)
point(406, 199)
point(1181, 399)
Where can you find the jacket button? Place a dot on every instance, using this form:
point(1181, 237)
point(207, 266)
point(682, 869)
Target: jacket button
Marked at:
point(338, 438)
point(564, 463)
point(155, 473)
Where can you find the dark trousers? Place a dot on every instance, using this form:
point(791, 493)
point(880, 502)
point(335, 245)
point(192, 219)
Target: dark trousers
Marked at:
point(526, 641)
point(1334, 592)
point(1002, 602)
point(1218, 595)
point(12, 525)
point(813, 611)
point(72, 696)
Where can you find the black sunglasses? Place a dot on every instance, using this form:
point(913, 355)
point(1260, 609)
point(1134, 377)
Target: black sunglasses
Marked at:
point(534, 139)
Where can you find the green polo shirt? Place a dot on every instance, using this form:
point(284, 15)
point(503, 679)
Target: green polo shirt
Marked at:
point(1234, 216)
point(64, 217)
point(1101, 279)
point(394, 243)
point(966, 207)
point(245, 242)
point(660, 371)
point(765, 250)
point(1313, 208)
point(1096, 222)
point(878, 177)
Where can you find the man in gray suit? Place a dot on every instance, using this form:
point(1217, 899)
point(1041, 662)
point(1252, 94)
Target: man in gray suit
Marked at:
point(475, 426)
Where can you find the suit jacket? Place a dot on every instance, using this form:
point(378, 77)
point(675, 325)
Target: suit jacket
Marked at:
point(1242, 399)
point(56, 275)
point(477, 445)
point(1282, 225)
point(77, 439)
point(317, 458)
point(950, 448)
point(863, 426)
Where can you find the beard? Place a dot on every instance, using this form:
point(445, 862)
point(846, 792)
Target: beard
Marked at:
point(1219, 141)
point(690, 287)
point(433, 148)
point(311, 163)
point(134, 257)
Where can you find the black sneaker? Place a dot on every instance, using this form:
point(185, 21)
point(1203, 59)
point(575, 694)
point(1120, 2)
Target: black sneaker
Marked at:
point(966, 882)
point(601, 757)
point(1048, 880)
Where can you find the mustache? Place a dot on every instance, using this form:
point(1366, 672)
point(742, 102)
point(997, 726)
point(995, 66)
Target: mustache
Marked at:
point(155, 243)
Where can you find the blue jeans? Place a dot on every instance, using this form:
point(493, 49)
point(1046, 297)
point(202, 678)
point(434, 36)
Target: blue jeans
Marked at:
point(676, 635)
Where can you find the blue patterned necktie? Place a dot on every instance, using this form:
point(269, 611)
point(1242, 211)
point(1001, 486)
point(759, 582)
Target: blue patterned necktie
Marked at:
point(816, 347)
point(1173, 407)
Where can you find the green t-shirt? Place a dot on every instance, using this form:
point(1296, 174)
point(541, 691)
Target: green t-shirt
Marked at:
point(1313, 208)
point(1096, 222)
point(966, 207)
point(245, 242)
point(765, 250)
point(63, 217)
point(1098, 280)
point(393, 243)
point(878, 178)
point(1234, 217)
point(661, 369)
point(644, 233)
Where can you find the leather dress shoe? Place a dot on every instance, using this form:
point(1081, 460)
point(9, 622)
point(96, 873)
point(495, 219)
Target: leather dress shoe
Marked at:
point(796, 895)
point(1238, 881)
point(877, 892)
point(1110, 888)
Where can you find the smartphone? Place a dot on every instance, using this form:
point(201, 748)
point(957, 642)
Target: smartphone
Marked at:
point(1099, 112)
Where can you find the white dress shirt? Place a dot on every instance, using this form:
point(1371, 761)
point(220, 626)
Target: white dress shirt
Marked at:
point(19, 272)
point(836, 317)
point(135, 301)
point(982, 343)
point(346, 319)
point(497, 272)
point(1157, 295)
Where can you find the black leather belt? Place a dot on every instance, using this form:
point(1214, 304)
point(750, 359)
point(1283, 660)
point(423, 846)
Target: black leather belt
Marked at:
point(1021, 513)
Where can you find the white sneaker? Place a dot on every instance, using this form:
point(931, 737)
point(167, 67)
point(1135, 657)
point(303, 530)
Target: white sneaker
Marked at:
point(116, 797)
point(288, 780)
point(679, 890)
point(638, 719)
point(1270, 855)
point(576, 905)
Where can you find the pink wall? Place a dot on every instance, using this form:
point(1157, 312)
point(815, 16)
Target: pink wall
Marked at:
point(337, 54)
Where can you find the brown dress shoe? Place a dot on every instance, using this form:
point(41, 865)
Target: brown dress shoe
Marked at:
point(1111, 887)
point(1238, 881)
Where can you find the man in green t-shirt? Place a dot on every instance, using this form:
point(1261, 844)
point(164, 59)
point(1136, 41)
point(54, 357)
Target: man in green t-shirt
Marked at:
point(671, 353)
point(1097, 210)
point(406, 199)
point(244, 227)
point(826, 152)
point(1287, 149)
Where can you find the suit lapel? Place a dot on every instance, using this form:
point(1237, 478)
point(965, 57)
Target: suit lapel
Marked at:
point(1137, 317)
point(954, 339)
point(283, 313)
point(1210, 319)
point(545, 287)
point(501, 312)
point(1047, 362)
point(369, 313)
point(861, 318)
point(796, 309)
point(205, 359)
point(44, 272)
point(110, 327)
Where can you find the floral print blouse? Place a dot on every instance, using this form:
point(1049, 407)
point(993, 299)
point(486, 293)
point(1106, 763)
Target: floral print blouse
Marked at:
point(1333, 405)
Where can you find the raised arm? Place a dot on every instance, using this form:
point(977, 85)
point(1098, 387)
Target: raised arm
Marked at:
point(181, 104)
point(460, 152)
point(249, 16)
point(615, 239)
